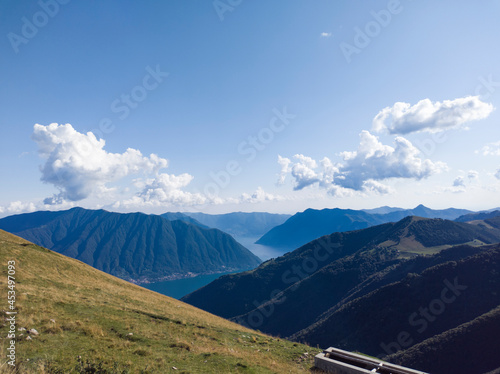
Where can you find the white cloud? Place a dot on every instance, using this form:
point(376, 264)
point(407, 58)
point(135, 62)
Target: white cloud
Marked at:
point(341, 192)
point(326, 34)
point(259, 196)
point(364, 169)
point(329, 171)
point(497, 174)
point(490, 149)
point(303, 171)
point(79, 166)
point(426, 116)
point(285, 168)
point(463, 182)
point(376, 161)
point(376, 187)
point(164, 189)
point(18, 207)
point(472, 175)
point(459, 182)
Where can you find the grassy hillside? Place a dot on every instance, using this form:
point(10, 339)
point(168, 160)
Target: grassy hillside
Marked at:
point(82, 312)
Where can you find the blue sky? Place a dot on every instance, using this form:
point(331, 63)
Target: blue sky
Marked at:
point(193, 104)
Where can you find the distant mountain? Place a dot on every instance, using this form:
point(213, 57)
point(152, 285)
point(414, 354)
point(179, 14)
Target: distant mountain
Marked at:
point(423, 211)
point(478, 216)
point(182, 217)
point(311, 224)
point(303, 227)
point(328, 291)
point(386, 242)
point(134, 246)
point(382, 210)
point(240, 224)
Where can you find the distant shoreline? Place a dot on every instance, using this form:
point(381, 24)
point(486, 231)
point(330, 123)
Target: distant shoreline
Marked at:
point(177, 276)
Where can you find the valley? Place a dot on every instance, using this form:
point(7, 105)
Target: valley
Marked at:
point(403, 291)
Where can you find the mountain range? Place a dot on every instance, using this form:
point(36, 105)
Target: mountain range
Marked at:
point(73, 318)
point(363, 290)
point(478, 216)
point(134, 246)
point(311, 224)
point(419, 292)
point(240, 224)
point(171, 216)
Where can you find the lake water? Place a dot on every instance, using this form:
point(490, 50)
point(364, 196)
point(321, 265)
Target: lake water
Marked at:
point(262, 251)
point(181, 287)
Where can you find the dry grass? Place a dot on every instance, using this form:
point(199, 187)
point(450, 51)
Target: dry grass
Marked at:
point(110, 321)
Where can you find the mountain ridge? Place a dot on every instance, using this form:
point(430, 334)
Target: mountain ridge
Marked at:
point(240, 224)
point(134, 246)
point(311, 224)
point(302, 294)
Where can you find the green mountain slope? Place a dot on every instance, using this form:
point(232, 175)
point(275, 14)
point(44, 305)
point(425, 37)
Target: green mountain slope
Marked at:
point(323, 293)
point(250, 289)
point(477, 341)
point(134, 246)
point(79, 311)
point(423, 305)
point(373, 249)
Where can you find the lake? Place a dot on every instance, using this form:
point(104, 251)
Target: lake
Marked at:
point(181, 287)
point(262, 251)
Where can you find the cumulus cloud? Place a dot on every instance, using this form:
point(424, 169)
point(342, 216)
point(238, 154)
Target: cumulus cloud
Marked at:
point(376, 161)
point(164, 189)
point(459, 182)
point(427, 116)
point(79, 166)
point(303, 171)
point(326, 34)
point(490, 149)
point(285, 168)
point(363, 169)
point(18, 207)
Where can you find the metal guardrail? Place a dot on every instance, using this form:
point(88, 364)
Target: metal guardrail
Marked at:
point(338, 361)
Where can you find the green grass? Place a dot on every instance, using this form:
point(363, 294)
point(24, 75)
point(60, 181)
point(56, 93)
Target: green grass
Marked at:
point(411, 252)
point(102, 321)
